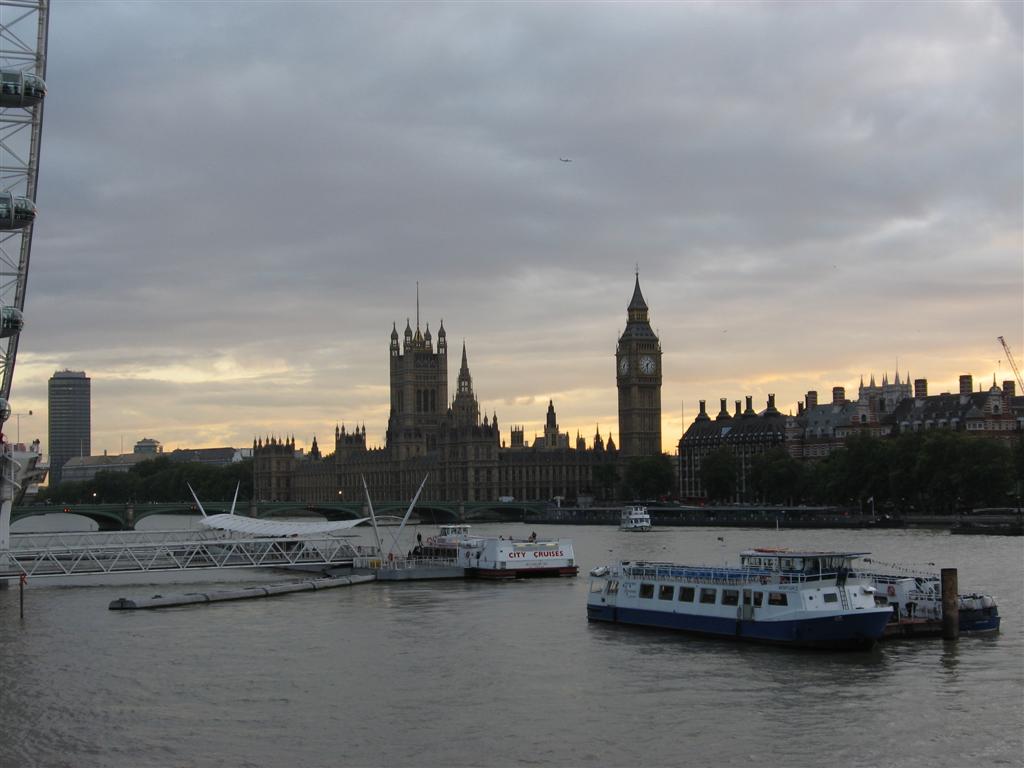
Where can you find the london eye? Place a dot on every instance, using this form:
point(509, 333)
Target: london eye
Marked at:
point(24, 26)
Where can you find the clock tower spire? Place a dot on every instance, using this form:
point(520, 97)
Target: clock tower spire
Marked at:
point(638, 369)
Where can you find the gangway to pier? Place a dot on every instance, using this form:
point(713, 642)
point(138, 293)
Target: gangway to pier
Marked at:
point(80, 554)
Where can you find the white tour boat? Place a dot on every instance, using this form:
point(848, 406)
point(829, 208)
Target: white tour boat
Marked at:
point(809, 599)
point(500, 557)
point(635, 518)
point(919, 596)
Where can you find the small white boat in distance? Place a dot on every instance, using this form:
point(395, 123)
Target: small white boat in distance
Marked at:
point(635, 518)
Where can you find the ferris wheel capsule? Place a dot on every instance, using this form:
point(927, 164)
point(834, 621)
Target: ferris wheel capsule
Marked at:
point(5, 410)
point(12, 321)
point(15, 212)
point(21, 89)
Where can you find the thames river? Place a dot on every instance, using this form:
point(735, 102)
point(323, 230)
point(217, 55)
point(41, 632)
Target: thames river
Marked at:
point(499, 674)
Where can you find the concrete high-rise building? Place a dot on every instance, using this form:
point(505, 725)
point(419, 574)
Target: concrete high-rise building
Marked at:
point(70, 404)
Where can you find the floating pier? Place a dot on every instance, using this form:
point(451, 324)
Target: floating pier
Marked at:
point(420, 573)
point(245, 593)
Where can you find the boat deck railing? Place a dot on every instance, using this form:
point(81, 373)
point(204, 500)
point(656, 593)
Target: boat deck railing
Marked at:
point(710, 574)
point(695, 574)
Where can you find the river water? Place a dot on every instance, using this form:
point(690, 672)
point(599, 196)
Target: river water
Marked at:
point(482, 674)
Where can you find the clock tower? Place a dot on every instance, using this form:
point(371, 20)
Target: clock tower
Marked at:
point(638, 375)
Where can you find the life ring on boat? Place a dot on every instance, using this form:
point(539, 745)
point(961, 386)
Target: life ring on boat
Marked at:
point(891, 591)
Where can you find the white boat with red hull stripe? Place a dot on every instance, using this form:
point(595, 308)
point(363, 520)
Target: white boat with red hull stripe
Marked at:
point(500, 557)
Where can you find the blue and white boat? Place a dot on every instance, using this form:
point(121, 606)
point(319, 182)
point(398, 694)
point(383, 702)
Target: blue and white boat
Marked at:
point(807, 598)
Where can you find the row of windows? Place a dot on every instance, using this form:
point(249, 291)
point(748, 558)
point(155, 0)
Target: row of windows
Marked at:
point(709, 595)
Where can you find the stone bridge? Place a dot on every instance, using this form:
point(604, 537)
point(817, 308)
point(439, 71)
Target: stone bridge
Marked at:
point(124, 517)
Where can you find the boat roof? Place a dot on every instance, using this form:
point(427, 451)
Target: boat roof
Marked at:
point(770, 552)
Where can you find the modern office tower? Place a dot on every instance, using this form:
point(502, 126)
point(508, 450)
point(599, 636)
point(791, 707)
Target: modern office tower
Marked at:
point(70, 419)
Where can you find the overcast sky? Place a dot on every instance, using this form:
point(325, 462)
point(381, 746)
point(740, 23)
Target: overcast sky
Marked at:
point(237, 200)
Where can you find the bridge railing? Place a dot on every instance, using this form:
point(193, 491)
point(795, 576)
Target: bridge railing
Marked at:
point(171, 551)
point(65, 540)
point(404, 563)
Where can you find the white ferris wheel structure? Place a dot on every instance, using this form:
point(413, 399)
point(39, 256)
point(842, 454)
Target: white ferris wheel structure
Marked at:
point(24, 27)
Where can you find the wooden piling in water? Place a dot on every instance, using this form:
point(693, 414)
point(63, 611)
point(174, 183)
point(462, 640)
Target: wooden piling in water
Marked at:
point(950, 605)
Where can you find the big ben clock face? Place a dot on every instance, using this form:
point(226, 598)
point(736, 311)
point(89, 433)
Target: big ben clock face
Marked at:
point(624, 366)
point(647, 364)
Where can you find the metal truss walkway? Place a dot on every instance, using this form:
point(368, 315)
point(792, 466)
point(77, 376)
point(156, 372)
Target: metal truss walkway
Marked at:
point(79, 554)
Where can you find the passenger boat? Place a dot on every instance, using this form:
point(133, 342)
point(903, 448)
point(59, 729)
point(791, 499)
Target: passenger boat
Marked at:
point(635, 518)
point(919, 596)
point(807, 599)
point(500, 557)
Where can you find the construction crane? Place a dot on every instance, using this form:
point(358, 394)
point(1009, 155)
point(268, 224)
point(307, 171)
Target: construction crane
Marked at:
point(1009, 356)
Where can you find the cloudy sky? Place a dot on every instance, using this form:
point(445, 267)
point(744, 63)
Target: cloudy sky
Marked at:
point(237, 200)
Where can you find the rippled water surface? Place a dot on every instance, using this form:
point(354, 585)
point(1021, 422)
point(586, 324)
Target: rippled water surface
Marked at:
point(468, 674)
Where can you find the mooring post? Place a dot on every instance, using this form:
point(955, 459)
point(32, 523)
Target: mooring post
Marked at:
point(950, 605)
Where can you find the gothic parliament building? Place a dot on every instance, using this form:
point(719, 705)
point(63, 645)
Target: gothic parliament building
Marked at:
point(464, 457)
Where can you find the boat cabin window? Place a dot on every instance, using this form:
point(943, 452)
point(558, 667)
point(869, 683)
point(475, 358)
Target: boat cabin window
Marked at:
point(708, 595)
point(596, 587)
point(787, 564)
point(777, 598)
point(665, 592)
point(730, 597)
point(758, 599)
point(613, 587)
point(686, 594)
point(647, 591)
point(831, 597)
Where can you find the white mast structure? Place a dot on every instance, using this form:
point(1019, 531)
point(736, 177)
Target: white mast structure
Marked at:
point(24, 27)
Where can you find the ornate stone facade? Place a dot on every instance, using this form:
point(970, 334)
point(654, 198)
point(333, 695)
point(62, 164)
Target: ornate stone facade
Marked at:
point(818, 430)
point(463, 456)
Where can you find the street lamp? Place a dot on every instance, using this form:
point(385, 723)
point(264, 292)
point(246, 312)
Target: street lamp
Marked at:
point(19, 415)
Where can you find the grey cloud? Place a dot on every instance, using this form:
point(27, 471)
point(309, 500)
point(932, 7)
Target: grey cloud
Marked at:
point(269, 180)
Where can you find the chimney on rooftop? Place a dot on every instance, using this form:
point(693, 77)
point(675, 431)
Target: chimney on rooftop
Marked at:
point(1009, 388)
point(966, 384)
point(812, 399)
point(920, 389)
point(703, 415)
point(838, 395)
